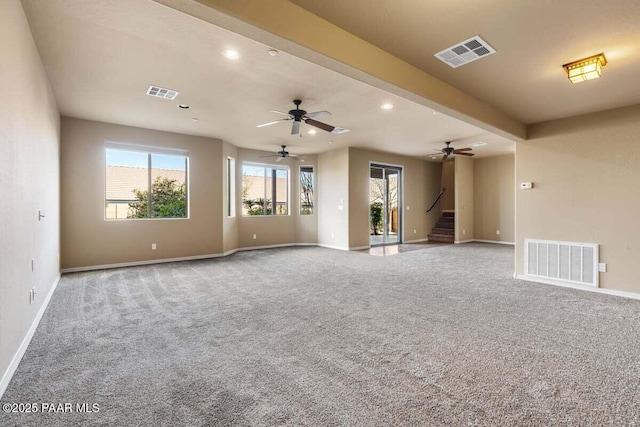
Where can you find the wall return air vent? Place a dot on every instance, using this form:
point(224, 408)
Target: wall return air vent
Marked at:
point(160, 92)
point(465, 52)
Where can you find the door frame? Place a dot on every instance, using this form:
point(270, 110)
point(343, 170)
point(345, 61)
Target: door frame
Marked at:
point(400, 169)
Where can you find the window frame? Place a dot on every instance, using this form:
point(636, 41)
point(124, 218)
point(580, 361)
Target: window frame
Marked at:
point(274, 196)
point(149, 151)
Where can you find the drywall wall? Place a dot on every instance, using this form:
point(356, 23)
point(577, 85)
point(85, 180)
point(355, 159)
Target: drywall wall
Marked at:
point(448, 180)
point(421, 185)
point(88, 239)
point(29, 182)
point(229, 223)
point(494, 198)
point(278, 229)
point(464, 199)
point(333, 198)
point(585, 171)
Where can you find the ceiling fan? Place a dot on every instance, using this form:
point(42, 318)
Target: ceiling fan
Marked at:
point(298, 116)
point(449, 151)
point(284, 154)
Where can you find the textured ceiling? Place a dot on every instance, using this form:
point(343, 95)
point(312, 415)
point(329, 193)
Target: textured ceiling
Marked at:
point(533, 39)
point(100, 60)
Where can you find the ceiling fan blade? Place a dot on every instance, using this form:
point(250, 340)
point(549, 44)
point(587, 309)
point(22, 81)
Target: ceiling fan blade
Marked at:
point(295, 129)
point(293, 155)
point(462, 149)
point(273, 155)
point(280, 112)
point(317, 114)
point(279, 159)
point(464, 154)
point(320, 125)
point(270, 123)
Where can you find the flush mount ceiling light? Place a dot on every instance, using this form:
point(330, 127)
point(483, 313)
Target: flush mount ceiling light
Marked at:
point(312, 132)
point(231, 54)
point(386, 106)
point(585, 69)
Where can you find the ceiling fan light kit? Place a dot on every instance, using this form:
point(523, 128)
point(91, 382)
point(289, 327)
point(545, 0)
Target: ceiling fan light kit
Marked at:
point(585, 69)
point(298, 116)
point(449, 151)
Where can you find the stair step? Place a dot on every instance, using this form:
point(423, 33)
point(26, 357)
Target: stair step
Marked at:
point(440, 238)
point(440, 224)
point(449, 214)
point(443, 231)
point(447, 219)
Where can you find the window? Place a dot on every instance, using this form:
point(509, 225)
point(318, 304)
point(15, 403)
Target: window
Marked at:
point(231, 187)
point(261, 185)
point(145, 182)
point(306, 190)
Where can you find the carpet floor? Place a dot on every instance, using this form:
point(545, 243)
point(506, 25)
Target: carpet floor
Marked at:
point(314, 336)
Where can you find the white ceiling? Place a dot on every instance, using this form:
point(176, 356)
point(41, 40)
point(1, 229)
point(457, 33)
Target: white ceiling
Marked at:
point(533, 39)
point(101, 58)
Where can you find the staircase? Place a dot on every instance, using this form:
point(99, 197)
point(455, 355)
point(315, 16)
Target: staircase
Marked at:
point(444, 231)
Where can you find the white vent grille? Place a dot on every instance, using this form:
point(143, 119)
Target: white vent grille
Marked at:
point(340, 130)
point(562, 261)
point(465, 52)
point(160, 92)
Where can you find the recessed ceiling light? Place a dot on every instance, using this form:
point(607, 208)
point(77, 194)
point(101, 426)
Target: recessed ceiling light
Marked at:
point(312, 132)
point(330, 142)
point(195, 119)
point(386, 106)
point(435, 112)
point(184, 106)
point(231, 54)
point(273, 52)
point(478, 144)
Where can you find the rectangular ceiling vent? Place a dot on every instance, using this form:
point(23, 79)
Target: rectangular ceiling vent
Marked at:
point(339, 130)
point(160, 92)
point(465, 52)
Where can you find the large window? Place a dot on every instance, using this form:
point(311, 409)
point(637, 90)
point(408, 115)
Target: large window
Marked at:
point(145, 182)
point(306, 190)
point(265, 190)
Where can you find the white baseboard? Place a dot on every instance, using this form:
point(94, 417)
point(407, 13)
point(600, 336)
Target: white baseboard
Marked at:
point(178, 259)
point(463, 241)
point(359, 248)
point(580, 287)
point(497, 242)
point(11, 369)
point(340, 248)
point(416, 241)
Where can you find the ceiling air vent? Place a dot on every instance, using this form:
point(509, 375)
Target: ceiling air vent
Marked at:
point(339, 130)
point(465, 52)
point(160, 92)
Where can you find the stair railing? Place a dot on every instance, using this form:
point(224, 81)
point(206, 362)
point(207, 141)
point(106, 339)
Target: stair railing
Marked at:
point(436, 200)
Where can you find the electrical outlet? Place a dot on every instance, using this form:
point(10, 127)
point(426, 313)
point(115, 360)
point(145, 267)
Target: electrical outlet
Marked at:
point(464, 231)
point(498, 232)
point(153, 247)
point(408, 208)
point(414, 231)
point(255, 236)
point(333, 235)
point(602, 267)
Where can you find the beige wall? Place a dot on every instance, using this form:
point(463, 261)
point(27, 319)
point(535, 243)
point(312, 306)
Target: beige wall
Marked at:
point(333, 192)
point(88, 239)
point(29, 181)
point(586, 172)
point(448, 201)
point(279, 229)
point(464, 199)
point(494, 198)
point(421, 185)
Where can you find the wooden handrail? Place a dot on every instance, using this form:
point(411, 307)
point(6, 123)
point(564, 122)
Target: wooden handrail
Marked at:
point(436, 200)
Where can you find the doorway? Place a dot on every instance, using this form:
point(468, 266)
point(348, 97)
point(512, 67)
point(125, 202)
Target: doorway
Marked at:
point(385, 204)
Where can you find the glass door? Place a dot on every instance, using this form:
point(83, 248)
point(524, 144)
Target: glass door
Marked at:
point(385, 205)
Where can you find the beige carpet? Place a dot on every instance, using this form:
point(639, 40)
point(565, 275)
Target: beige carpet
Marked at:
point(318, 337)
